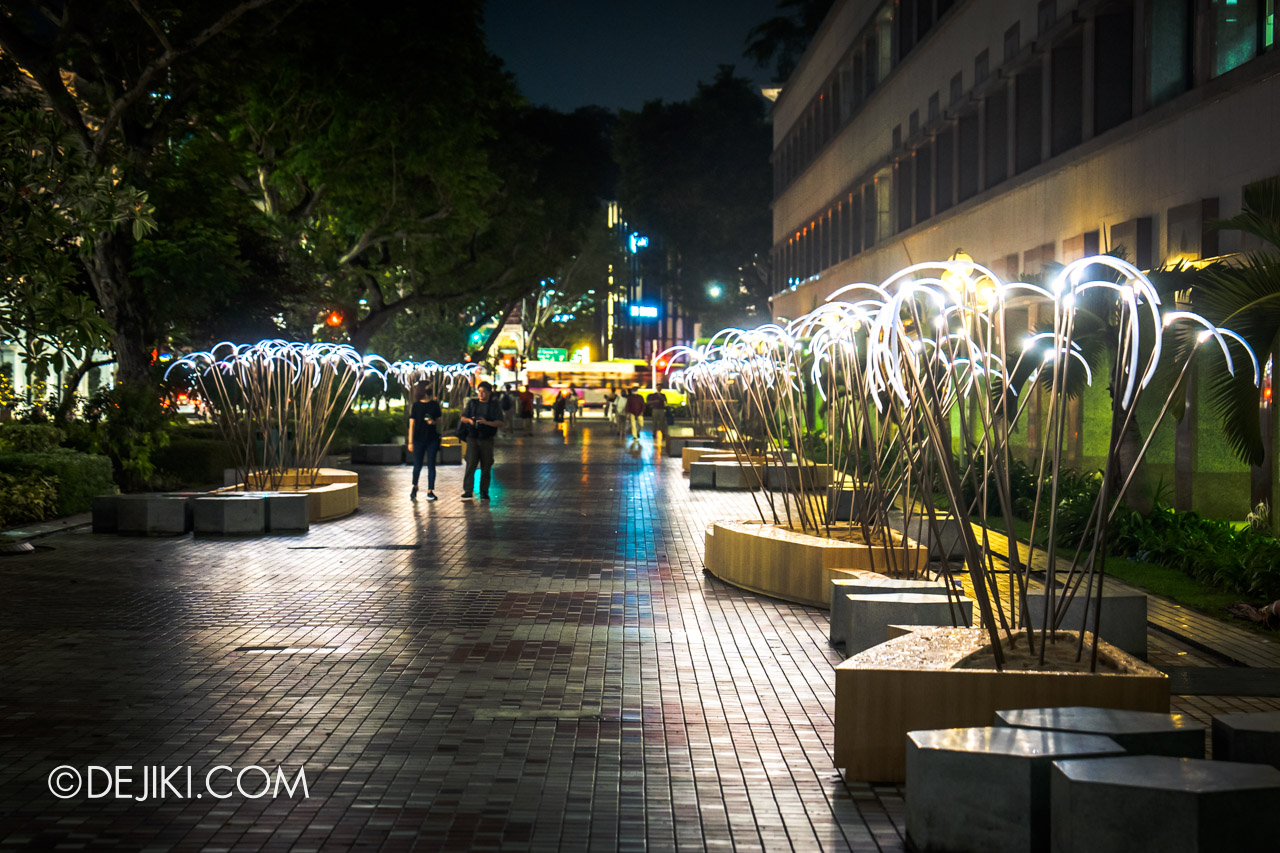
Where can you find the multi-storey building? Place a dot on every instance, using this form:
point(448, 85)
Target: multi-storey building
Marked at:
point(1021, 131)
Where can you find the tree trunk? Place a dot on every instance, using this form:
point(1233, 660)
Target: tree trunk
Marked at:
point(1138, 495)
point(123, 306)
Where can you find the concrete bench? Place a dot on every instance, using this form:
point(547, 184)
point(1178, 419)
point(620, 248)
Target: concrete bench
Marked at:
point(949, 541)
point(1250, 737)
point(870, 583)
point(987, 790)
point(677, 444)
point(791, 478)
point(1157, 802)
point(1139, 732)
point(867, 617)
point(702, 475)
point(731, 475)
point(151, 515)
point(378, 454)
point(1124, 618)
point(230, 514)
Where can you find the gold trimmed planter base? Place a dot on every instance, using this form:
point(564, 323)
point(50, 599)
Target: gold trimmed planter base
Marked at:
point(927, 678)
point(336, 493)
point(798, 567)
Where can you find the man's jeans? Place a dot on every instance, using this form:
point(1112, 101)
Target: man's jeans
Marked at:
point(479, 452)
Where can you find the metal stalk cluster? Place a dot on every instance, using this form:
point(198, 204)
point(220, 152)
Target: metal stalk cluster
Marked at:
point(906, 388)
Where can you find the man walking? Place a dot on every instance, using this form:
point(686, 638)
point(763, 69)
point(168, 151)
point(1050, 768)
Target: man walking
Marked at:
point(657, 405)
point(635, 412)
point(484, 416)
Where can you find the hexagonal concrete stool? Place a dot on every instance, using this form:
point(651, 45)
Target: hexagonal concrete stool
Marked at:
point(151, 515)
point(1124, 618)
point(1139, 732)
point(868, 617)
point(104, 513)
point(231, 515)
point(1156, 802)
point(288, 512)
point(948, 542)
point(842, 588)
point(731, 476)
point(702, 475)
point(1252, 738)
point(377, 454)
point(450, 454)
point(986, 790)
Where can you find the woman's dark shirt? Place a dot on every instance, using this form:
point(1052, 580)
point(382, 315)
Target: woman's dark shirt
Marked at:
point(423, 431)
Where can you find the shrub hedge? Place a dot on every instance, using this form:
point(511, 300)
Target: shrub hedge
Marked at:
point(26, 497)
point(78, 477)
point(29, 438)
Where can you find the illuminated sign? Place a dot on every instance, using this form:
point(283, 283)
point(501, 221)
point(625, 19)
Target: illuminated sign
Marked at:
point(637, 241)
point(581, 356)
point(552, 354)
point(644, 312)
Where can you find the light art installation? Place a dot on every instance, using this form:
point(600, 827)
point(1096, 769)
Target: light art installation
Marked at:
point(449, 382)
point(278, 403)
point(904, 374)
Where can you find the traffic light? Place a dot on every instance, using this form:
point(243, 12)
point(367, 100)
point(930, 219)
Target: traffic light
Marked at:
point(509, 362)
point(661, 364)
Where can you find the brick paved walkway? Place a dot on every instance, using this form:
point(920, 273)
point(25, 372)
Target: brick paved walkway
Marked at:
point(552, 671)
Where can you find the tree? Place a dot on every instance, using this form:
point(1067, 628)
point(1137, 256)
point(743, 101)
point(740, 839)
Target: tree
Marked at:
point(696, 175)
point(782, 40)
point(52, 206)
point(123, 81)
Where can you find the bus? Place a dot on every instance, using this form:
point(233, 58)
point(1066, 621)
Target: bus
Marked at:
point(592, 379)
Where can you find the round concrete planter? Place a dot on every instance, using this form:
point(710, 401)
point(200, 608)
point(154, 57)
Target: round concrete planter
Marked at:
point(921, 680)
point(794, 566)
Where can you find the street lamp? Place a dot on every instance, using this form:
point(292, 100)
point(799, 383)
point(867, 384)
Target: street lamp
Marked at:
point(714, 290)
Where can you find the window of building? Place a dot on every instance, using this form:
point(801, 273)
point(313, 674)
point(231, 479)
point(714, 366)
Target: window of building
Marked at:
point(1236, 33)
point(1113, 69)
point(996, 149)
point(1046, 15)
point(981, 68)
point(969, 153)
point(1012, 41)
point(906, 27)
point(913, 123)
point(884, 205)
point(896, 137)
point(855, 222)
point(944, 152)
point(935, 108)
point(1169, 59)
point(884, 41)
point(924, 182)
point(1067, 99)
point(902, 174)
point(957, 89)
point(869, 215)
point(1027, 117)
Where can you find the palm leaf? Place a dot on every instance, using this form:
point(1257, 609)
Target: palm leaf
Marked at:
point(1260, 212)
point(1245, 299)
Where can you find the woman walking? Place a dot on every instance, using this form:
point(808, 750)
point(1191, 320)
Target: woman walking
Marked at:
point(424, 437)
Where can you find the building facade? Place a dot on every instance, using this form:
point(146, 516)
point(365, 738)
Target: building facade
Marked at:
point(1023, 132)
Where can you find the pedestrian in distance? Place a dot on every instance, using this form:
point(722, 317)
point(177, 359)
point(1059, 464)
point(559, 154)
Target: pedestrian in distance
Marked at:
point(635, 412)
point(619, 413)
point(483, 417)
point(571, 405)
point(424, 437)
point(557, 408)
point(526, 409)
point(508, 402)
point(657, 406)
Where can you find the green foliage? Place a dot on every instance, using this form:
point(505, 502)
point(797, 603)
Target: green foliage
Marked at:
point(29, 496)
point(193, 461)
point(76, 477)
point(130, 425)
point(781, 40)
point(29, 438)
point(1214, 552)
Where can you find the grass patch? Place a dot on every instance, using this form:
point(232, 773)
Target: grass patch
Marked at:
point(1172, 583)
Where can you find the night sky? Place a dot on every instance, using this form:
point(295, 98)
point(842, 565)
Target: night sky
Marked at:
point(571, 53)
